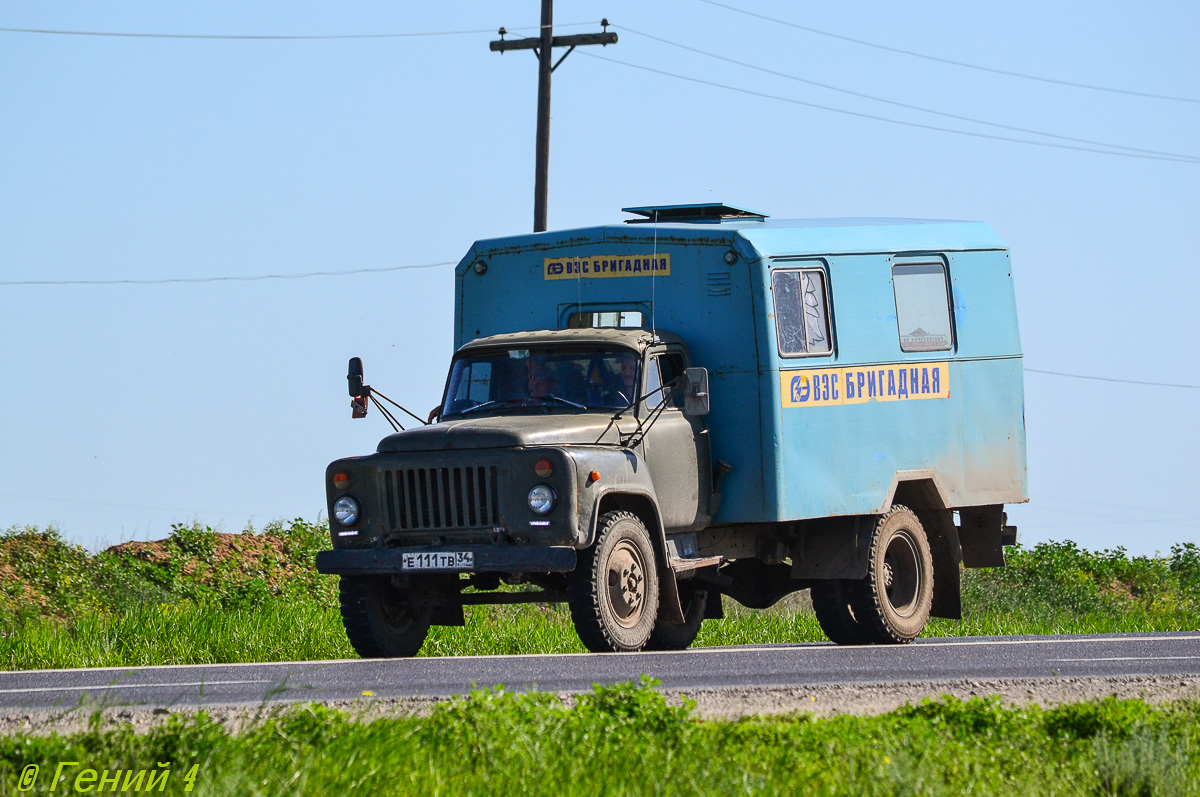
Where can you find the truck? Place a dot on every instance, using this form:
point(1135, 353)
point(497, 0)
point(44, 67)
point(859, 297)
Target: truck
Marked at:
point(642, 418)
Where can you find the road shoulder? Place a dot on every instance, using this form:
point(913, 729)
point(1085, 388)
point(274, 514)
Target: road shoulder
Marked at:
point(821, 700)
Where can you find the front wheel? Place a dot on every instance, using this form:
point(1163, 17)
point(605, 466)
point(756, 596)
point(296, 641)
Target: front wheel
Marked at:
point(613, 591)
point(381, 620)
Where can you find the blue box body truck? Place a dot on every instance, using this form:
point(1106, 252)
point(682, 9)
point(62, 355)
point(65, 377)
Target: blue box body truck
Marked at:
point(642, 417)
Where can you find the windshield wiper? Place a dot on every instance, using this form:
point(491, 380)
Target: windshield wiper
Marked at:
point(486, 404)
point(563, 400)
point(512, 402)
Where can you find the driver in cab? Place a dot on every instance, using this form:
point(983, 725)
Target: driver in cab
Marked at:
point(543, 380)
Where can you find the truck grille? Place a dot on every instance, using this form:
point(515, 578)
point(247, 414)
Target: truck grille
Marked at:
point(441, 498)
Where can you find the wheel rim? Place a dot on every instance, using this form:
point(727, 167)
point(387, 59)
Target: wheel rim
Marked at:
point(626, 584)
point(397, 612)
point(902, 574)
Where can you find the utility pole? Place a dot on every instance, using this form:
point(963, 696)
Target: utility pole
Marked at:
point(543, 46)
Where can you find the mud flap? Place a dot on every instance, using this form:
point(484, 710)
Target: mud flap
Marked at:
point(947, 557)
point(981, 532)
point(947, 587)
point(670, 609)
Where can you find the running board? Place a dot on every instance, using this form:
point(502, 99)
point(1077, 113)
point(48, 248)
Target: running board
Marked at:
point(683, 565)
point(681, 554)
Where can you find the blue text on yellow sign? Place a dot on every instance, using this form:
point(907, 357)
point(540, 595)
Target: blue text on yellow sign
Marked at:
point(570, 268)
point(826, 387)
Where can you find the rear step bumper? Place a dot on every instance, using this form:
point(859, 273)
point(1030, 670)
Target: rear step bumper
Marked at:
point(487, 559)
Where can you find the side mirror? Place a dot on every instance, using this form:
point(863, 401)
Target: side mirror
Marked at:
point(695, 391)
point(359, 393)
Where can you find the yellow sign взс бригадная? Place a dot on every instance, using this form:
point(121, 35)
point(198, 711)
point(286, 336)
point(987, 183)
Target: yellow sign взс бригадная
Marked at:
point(826, 387)
point(564, 268)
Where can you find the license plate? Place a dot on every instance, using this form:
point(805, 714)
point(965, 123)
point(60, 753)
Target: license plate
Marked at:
point(438, 560)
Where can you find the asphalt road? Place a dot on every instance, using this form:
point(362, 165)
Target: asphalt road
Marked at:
point(984, 658)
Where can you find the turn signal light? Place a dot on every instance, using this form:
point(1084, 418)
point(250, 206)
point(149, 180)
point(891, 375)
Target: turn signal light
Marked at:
point(341, 480)
point(543, 468)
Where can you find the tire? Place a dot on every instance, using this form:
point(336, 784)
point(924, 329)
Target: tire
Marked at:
point(893, 602)
point(613, 591)
point(678, 636)
point(831, 603)
point(380, 619)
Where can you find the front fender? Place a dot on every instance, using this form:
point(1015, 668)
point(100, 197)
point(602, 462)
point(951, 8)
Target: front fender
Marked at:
point(621, 471)
point(625, 478)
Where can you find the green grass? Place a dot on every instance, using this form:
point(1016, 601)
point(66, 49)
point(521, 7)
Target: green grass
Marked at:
point(628, 739)
point(178, 634)
point(196, 598)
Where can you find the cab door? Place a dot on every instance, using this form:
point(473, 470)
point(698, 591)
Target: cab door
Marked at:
point(676, 446)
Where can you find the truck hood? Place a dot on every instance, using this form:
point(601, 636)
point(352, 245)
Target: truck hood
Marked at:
point(503, 432)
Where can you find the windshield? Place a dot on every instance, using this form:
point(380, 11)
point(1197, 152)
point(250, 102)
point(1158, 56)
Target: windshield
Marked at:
point(605, 380)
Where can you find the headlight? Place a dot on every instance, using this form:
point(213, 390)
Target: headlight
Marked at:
point(345, 510)
point(542, 498)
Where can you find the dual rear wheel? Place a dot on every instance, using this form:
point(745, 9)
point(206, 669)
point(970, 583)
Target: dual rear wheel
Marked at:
point(892, 603)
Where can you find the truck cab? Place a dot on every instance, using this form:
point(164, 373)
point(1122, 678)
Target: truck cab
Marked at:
point(542, 439)
point(642, 418)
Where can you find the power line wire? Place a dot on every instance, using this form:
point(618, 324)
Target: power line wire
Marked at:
point(900, 104)
point(1103, 513)
point(1178, 524)
point(1091, 502)
point(1112, 379)
point(940, 60)
point(270, 37)
point(890, 120)
point(27, 496)
point(251, 278)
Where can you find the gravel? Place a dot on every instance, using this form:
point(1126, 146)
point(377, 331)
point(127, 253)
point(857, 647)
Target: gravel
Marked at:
point(711, 704)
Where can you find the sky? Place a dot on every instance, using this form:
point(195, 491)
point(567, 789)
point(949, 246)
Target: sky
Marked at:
point(129, 407)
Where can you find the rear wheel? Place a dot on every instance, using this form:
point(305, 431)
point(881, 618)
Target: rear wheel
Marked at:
point(892, 603)
point(677, 636)
point(381, 620)
point(613, 591)
point(831, 603)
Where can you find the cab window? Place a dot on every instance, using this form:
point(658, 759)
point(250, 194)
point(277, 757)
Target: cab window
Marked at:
point(653, 383)
point(606, 319)
point(664, 369)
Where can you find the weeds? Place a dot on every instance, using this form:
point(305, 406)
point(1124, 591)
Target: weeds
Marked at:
point(629, 739)
point(1144, 764)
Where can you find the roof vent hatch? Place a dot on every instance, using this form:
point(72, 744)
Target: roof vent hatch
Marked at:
point(707, 213)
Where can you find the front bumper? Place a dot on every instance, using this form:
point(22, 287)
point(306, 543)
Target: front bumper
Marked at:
point(488, 559)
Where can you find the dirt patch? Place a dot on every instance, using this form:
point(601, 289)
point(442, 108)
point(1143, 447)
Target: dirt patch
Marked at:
point(17, 590)
point(261, 556)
